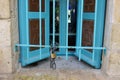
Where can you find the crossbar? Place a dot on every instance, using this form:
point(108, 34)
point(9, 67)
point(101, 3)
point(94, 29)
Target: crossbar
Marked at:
point(69, 47)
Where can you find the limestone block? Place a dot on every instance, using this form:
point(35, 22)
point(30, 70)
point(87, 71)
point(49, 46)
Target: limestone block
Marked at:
point(105, 61)
point(115, 58)
point(5, 32)
point(117, 11)
point(115, 36)
point(4, 9)
point(111, 62)
point(107, 35)
point(108, 24)
point(114, 66)
point(5, 60)
point(14, 31)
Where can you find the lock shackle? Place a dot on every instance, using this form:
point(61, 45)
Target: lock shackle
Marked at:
point(54, 48)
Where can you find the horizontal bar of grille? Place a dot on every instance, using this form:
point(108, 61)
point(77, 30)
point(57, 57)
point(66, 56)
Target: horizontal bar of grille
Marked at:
point(73, 47)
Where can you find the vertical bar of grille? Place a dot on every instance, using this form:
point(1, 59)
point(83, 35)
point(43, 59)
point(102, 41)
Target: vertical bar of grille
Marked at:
point(53, 23)
point(67, 31)
point(40, 26)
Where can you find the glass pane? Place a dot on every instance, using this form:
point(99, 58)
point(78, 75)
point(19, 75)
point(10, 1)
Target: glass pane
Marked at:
point(57, 16)
point(57, 41)
point(34, 5)
point(88, 33)
point(34, 33)
point(43, 5)
point(89, 5)
point(71, 42)
point(72, 23)
point(43, 31)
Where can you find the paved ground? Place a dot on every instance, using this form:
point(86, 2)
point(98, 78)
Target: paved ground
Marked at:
point(71, 69)
point(63, 74)
point(61, 62)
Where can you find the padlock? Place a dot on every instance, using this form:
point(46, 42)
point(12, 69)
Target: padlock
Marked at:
point(53, 55)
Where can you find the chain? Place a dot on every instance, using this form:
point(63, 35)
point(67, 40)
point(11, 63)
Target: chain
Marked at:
point(53, 57)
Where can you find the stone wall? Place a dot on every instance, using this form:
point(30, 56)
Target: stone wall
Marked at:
point(111, 60)
point(5, 37)
point(14, 34)
point(8, 36)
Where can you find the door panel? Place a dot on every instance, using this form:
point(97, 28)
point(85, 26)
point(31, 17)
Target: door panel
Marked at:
point(34, 33)
point(89, 5)
point(34, 5)
point(90, 27)
point(88, 33)
point(34, 29)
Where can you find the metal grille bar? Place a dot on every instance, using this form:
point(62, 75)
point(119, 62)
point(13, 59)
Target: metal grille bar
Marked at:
point(53, 23)
point(67, 30)
point(72, 47)
point(40, 26)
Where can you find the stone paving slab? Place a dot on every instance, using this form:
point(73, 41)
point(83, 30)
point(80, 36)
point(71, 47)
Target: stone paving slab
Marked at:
point(63, 75)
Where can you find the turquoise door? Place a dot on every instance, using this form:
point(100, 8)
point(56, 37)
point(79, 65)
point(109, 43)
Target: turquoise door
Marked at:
point(90, 29)
point(34, 30)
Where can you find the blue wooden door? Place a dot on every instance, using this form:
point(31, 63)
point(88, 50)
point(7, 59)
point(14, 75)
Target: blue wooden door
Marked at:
point(90, 37)
point(89, 30)
point(34, 30)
